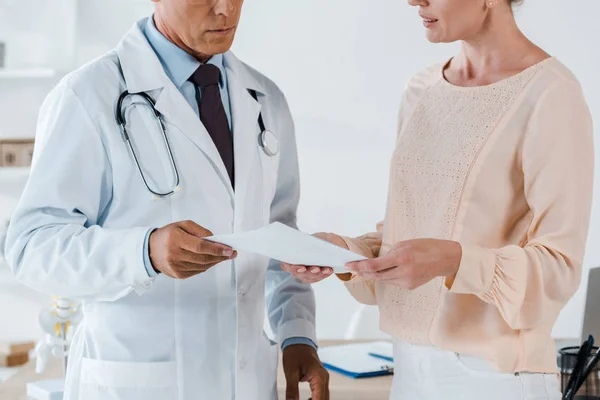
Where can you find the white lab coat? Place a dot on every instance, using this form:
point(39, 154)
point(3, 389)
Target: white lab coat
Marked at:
point(79, 229)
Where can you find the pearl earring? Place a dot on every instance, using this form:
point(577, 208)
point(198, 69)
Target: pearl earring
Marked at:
point(491, 4)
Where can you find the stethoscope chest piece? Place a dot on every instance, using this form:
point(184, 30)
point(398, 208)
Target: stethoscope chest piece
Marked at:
point(269, 143)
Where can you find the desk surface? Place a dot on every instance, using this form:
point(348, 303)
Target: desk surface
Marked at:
point(14, 387)
point(341, 387)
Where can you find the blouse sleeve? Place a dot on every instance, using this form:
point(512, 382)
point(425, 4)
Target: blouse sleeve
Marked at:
point(530, 284)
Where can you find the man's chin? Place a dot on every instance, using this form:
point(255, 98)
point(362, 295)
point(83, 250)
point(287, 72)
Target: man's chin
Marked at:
point(220, 46)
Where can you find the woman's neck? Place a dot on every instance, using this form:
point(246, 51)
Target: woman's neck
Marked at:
point(499, 49)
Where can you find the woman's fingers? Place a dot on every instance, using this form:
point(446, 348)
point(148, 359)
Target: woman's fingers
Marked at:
point(373, 265)
point(307, 274)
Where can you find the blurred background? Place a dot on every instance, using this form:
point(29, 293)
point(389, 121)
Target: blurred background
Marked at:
point(342, 65)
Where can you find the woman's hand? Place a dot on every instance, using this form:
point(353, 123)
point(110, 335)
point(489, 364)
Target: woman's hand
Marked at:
point(413, 263)
point(312, 274)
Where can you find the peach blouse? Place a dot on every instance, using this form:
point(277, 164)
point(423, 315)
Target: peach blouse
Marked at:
point(506, 170)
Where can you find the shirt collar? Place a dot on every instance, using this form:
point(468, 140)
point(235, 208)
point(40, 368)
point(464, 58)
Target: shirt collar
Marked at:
point(177, 63)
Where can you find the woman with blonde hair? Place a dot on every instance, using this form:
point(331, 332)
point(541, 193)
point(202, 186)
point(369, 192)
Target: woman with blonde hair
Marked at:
point(487, 217)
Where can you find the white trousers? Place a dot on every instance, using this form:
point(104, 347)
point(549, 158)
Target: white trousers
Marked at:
point(429, 373)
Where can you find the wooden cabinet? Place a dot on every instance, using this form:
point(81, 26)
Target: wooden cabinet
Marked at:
point(16, 152)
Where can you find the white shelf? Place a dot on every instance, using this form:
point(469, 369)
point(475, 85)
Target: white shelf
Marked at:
point(27, 73)
point(7, 373)
point(12, 174)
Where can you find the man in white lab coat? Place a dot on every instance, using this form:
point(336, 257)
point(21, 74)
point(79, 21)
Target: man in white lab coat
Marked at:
point(120, 223)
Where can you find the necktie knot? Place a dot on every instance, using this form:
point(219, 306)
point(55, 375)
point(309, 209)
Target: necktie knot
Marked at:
point(206, 75)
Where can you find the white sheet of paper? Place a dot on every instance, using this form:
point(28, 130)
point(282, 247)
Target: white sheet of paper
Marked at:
point(282, 243)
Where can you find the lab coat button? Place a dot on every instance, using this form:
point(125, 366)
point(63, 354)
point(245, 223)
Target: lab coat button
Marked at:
point(241, 294)
point(242, 364)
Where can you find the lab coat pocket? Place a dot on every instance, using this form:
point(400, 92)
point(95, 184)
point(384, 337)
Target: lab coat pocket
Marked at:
point(108, 380)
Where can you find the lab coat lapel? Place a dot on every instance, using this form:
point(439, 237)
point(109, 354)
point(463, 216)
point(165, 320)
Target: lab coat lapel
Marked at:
point(143, 72)
point(245, 112)
point(178, 112)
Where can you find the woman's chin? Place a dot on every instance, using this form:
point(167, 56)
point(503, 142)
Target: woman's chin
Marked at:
point(437, 36)
point(434, 37)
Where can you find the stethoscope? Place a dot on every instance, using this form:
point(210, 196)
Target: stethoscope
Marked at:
point(266, 139)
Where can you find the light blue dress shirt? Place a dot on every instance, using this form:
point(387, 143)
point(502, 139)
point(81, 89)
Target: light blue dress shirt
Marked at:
point(179, 66)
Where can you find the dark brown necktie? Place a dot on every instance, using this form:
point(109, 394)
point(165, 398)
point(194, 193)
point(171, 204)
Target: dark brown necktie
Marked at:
point(212, 113)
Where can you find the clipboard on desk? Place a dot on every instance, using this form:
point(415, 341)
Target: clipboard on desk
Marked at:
point(382, 350)
point(354, 360)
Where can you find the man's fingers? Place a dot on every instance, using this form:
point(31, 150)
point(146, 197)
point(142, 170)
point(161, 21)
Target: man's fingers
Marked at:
point(200, 246)
point(214, 249)
point(193, 240)
point(185, 270)
point(292, 392)
point(192, 228)
point(202, 259)
point(319, 387)
point(196, 268)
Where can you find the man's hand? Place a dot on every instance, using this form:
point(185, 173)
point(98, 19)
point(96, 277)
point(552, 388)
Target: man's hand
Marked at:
point(312, 274)
point(178, 251)
point(301, 364)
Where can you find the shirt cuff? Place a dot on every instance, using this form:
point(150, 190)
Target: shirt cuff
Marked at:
point(147, 263)
point(357, 246)
point(298, 340)
point(296, 328)
point(475, 273)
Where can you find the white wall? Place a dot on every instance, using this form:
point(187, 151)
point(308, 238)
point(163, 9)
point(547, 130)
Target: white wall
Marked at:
point(342, 65)
point(38, 32)
point(58, 35)
point(32, 40)
point(95, 16)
